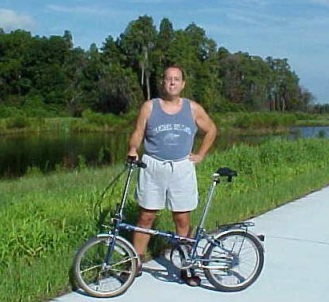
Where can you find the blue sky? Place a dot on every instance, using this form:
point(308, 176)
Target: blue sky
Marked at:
point(294, 29)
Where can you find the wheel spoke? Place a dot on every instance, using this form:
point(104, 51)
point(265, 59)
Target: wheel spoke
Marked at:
point(235, 262)
point(105, 280)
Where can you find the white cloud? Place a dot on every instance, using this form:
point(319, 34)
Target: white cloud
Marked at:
point(11, 20)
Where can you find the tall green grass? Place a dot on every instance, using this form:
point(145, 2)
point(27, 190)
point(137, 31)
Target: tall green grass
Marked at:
point(14, 121)
point(44, 219)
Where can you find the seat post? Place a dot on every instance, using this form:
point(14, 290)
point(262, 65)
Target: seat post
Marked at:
point(211, 190)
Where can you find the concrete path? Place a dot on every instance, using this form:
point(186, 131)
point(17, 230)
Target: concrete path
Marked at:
point(296, 263)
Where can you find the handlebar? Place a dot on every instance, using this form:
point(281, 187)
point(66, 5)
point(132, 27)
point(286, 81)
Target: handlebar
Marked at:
point(222, 171)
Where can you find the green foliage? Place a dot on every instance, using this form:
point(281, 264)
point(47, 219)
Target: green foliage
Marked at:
point(314, 119)
point(34, 106)
point(93, 122)
point(17, 122)
point(263, 120)
point(33, 171)
point(90, 121)
point(9, 111)
point(49, 77)
point(303, 116)
point(100, 119)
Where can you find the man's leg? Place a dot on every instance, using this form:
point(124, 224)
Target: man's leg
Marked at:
point(140, 240)
point(182, 223)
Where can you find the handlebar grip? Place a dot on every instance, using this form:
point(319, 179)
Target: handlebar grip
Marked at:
point(141, 164)
point(131, 160)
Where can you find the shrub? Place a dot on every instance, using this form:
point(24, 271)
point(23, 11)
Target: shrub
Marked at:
point(18, 122)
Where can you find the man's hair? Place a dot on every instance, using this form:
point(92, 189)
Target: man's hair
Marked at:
point(175, 66)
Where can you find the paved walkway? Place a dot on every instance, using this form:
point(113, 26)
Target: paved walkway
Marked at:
point(296, 263)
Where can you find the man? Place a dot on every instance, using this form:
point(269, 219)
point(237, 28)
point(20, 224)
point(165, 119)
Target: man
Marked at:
point(167, 127)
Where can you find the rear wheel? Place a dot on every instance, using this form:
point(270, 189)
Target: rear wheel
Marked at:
point(235, 262)
point(100, 279)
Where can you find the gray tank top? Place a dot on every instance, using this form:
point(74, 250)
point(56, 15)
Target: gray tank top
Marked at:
point(169, 136)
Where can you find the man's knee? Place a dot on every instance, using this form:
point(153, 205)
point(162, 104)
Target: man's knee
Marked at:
point(146, 218)
point(182, 222)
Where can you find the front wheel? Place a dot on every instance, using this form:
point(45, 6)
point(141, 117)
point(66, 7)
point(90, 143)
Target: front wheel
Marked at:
point(234, 261)
point(105, 266)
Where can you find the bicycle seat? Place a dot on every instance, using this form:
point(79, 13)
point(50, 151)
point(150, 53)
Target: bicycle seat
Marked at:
point(225, 171)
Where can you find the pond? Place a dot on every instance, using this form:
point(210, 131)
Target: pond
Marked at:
point(50, 151)
point(316, 131)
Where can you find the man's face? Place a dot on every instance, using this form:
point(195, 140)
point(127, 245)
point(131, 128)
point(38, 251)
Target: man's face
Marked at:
point(173, 82)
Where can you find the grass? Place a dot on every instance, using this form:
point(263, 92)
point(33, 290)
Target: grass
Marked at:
point(46, 218)
point(245, 122)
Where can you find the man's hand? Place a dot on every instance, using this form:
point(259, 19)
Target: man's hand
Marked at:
point(195, 158)
point(133, 152)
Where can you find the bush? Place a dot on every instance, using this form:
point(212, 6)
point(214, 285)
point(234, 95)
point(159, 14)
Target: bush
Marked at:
point(8, 111)
point(18, 122)
point(258, 120)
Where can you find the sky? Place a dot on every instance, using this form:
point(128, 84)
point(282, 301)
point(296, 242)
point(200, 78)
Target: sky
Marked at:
point(297, 30)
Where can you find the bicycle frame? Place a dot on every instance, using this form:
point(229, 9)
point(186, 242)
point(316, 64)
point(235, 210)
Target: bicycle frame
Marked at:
point(118, 224)
point(231, 257)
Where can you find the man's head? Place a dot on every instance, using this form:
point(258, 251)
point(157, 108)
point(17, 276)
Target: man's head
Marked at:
point(173, 81)
point(174, 67)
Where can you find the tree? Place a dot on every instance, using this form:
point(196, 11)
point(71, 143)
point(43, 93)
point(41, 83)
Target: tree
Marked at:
point(44, 63)
point(67, 37)
point(136, 43)
point(163, 41)
point(93, 72)
point(75, 64)
point(49, 72)
point(285, 84)
point(111, 52)
point(13, 47)
point(119, 90)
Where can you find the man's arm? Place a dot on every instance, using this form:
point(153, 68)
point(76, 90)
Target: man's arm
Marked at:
point(205, 124)
point(139, 131)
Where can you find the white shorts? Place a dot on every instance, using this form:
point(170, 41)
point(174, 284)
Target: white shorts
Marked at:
point(170, 184)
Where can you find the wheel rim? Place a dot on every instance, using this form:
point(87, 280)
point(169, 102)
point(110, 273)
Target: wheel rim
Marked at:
point(102, 280)
point(240, 261)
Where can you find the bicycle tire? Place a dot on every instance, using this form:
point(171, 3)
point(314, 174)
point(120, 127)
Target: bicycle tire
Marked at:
point(241, 256)
point(98, 279)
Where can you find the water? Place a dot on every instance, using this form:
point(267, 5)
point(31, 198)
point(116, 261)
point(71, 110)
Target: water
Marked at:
point(49, 151)
point(307, 132)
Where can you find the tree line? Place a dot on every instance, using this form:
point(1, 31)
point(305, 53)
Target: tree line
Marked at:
point(48, 75)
